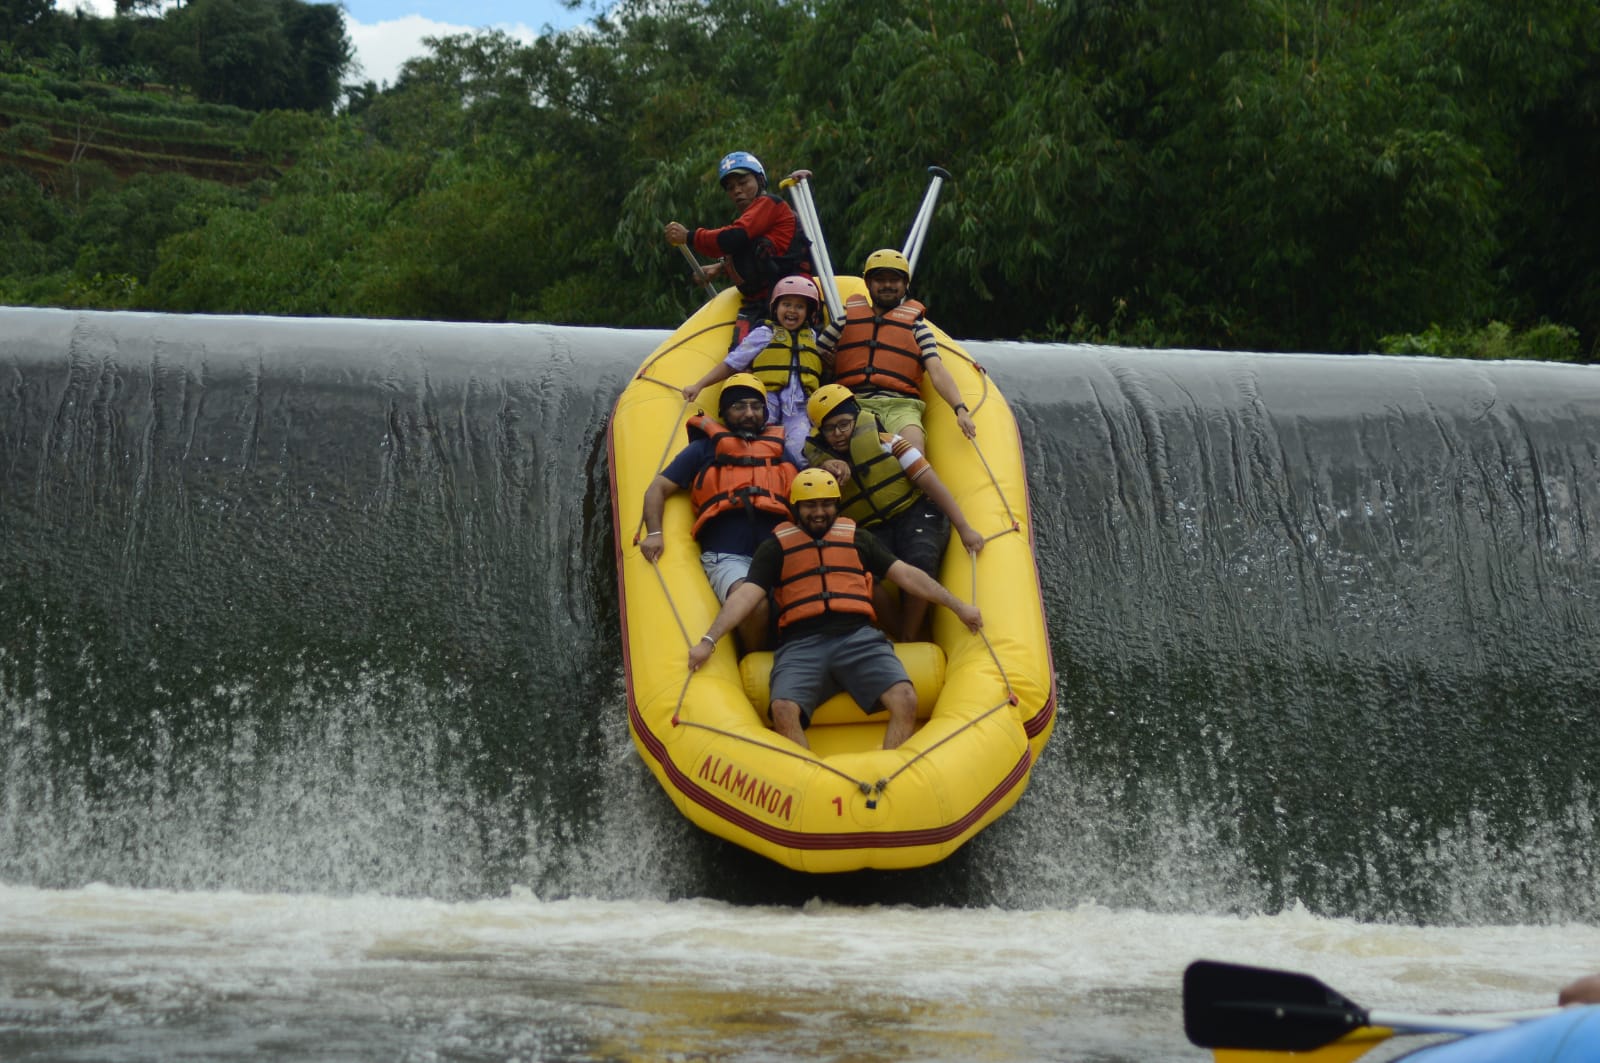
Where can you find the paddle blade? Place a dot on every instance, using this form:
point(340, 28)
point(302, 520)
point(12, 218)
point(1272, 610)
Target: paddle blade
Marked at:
point(1227, 1005)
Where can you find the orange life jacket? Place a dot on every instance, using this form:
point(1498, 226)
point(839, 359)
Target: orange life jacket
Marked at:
point(879, 352)
point(821, 575)
point(745, 474)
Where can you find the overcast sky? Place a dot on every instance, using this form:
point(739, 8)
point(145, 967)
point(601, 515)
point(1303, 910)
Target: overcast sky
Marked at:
point(388, 32)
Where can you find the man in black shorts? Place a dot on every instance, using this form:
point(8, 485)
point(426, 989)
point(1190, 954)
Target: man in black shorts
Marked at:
point(819, 569)
point(888, 487)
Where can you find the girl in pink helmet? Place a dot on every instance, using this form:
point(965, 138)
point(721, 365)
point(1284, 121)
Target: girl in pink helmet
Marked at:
point(780, 350)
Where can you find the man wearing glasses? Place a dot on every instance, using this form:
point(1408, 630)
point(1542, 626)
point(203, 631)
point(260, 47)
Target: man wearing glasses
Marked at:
point(738, 478)
point(888, 487)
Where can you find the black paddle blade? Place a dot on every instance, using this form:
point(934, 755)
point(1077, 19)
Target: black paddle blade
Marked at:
point(1227, 1005)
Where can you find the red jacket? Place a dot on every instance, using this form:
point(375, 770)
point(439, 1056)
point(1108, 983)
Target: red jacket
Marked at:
point(763, 244)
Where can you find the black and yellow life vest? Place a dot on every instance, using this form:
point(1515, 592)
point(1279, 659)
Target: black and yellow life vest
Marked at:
point(821, 575)
point(789, 352)
point(878, 488)
point(879, 352)
point(745, 474)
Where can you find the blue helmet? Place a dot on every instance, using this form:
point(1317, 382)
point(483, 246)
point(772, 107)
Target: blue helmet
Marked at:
point(740, 162)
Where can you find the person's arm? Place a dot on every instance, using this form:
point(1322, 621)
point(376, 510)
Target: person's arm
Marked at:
point(827, 340)
point(737, 361)
point(838, 468)
point(765, 216)
point(742, 601)
point(677, 233)
point(918, 469)
point(828, 461)
point(717, 373)
point(930, 484)
point(1585, 990)
point(913, 580)
point(945, 385)
point(655, 501)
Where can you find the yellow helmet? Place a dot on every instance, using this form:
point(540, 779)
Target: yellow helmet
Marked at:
point(824, 401)
point(740, 380)
point(813, 483)
point(887, 258)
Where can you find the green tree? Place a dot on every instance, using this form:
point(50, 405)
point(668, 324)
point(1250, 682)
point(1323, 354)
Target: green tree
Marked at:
point(260, 54)
point(120, 231)
point(294, 253)
point(287, 257)
point(1293, 174)
point(322, 54)
point(32, 225)
point(466, 251)
point(25, 24)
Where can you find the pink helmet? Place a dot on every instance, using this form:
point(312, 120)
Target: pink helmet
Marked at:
point(797, 284)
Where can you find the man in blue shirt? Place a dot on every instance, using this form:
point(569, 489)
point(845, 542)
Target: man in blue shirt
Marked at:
point(738, 476)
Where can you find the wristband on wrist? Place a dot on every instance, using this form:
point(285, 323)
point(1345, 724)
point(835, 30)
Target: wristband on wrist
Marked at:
point(648, 534)
point(958, 407)
point(708, 638)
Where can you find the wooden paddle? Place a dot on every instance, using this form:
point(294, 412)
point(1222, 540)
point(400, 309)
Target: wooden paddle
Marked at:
point(700, 277)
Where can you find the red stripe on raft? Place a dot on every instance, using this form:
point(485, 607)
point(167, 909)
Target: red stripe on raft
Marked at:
point(1041, 718)
point(792, 839)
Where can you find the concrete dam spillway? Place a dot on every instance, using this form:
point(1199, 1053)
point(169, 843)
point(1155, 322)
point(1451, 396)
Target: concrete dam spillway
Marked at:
point(330, 605)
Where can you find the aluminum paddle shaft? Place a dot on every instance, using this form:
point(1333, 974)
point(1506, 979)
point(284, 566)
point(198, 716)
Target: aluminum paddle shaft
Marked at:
point(937, 175)
point(799, 186)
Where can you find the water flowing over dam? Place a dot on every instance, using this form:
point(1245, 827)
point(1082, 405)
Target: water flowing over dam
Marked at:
point(330, 606)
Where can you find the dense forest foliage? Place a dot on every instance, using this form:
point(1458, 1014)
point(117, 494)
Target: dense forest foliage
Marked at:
point(1337, 175)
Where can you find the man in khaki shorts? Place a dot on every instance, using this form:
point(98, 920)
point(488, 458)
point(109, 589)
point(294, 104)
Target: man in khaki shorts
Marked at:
point(882, 348)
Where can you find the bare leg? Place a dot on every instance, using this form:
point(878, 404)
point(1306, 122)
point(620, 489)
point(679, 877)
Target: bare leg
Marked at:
point(786, 720)
point(916, 437)
point(912, 612)
point(752, 630)
point(901, 701)
point(883, 604)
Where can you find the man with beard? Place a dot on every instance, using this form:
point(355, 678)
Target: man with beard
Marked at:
point(883, 347)
point(819, 570)
point(738, 476)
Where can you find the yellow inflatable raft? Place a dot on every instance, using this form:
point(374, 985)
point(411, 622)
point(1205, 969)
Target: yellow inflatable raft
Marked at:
point(987, 701)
